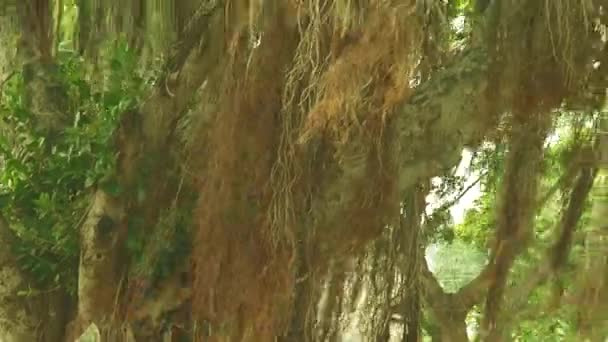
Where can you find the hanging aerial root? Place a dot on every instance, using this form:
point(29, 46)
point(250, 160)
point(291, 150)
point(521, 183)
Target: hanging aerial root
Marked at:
point(568, 24)
point(331, 185)
point(232, 245)
point(350, 69)
point(367, 76)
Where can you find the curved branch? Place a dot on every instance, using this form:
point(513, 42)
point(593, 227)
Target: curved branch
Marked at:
point(447, 309)
point(557, 254)
point(433, 292)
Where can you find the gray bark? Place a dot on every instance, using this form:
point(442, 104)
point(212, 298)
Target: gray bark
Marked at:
point(445, 114)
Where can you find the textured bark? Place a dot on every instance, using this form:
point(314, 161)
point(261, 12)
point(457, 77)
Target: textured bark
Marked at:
point(9, 28)
point(37, 30)
point(102, 262)
point(443, 115)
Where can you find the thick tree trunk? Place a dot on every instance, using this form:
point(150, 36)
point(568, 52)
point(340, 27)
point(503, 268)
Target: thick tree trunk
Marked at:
point(454, 329)
point(103, 272)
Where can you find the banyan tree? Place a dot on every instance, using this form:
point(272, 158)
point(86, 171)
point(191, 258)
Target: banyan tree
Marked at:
point(269, 179)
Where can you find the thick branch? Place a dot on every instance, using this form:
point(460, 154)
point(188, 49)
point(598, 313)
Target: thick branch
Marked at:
point(515, 215)
point(433, 293)
point(473, 292)
point(445, 114)
point(446, 309)
point(557, 254)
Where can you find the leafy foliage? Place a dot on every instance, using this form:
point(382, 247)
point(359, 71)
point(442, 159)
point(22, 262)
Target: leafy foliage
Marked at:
point(45, 178)
point(540, 318)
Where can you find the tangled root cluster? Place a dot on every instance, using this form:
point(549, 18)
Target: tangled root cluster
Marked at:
point(282, 132)
point(235, 257)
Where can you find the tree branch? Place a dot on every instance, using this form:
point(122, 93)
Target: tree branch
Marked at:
point(433, 292)
point(556, 256)
point(445, 114)
point(447, 309)
point(515, 215)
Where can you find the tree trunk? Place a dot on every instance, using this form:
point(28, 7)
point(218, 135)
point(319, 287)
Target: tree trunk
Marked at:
point(515, 217)
point(454, 330)
point(103, 272)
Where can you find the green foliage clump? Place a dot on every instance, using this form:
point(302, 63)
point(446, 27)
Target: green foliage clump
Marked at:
point(45, 177)
point(542, 317)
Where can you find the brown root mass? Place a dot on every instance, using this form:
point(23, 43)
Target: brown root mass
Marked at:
point(356, 95)
point(241, 281)
point(279, 138)
point(302, 171)
point(366, 79)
